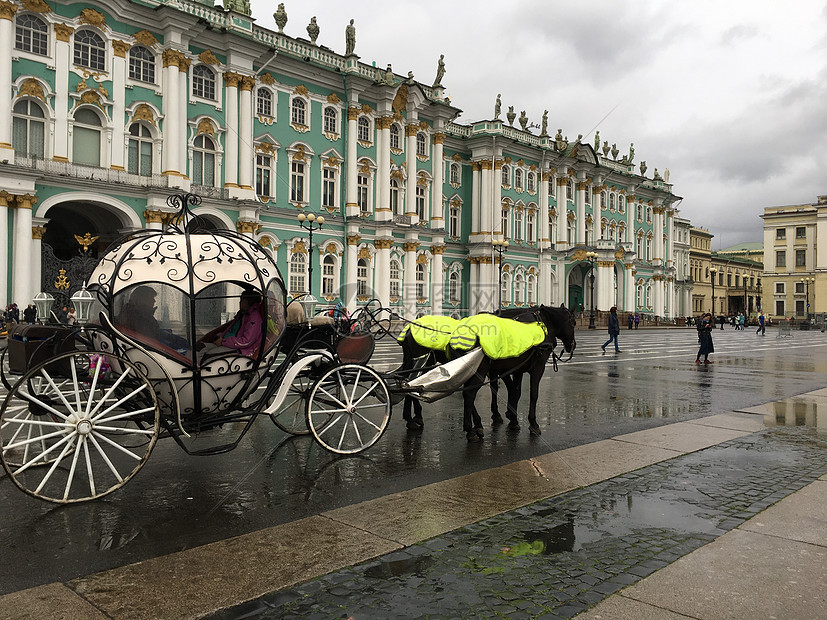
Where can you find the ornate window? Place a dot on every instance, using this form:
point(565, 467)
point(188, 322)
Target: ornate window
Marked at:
point(362, 194)
point(518, 225)
point(504, 223)
point(569, 190)
point(505, 179)
point(611, 202)
point(264, 102)
point(505, 289)
point(362, 277)
point(363, 129)
point(328, 187)
point(142, 64)
point(649, 248)
point(552, 186)
point(639, 212)
point(203, 161)
point(421, 145)
point(453, 287)
point(396, 278)
point(529, 227)
point(453, 221)
point(395, 137)
point(420, 281)
point(603, 204)
point(648, 215)
point(139, 152)
point(28, 129)
point(90, 50)
point(31, 35)
point(395, 205)
point(297, 173)
point(518, 179)
point(328, 275)
point(420, 201)
point(454, 174)
point(621, 203)
point(531, 287)
point(298, 274)
point(86, 138)
point(519, 288)
point(264, 167)
point(298, 112)
point(203, 82)
point(331, 120)
point(570, 230)
point(531, 183)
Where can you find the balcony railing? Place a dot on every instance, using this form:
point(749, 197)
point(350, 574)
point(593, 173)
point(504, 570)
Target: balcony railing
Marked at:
point(91, 173)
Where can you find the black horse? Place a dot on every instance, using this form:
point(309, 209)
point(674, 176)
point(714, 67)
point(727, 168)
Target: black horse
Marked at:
point(560, 324)
point(414, 354)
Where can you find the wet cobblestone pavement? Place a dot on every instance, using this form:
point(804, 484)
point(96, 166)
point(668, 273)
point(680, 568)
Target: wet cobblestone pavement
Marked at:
point(560, 556)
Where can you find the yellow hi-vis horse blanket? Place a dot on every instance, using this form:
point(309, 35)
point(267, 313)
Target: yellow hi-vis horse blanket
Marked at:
point(431, 332)
point(499, 338)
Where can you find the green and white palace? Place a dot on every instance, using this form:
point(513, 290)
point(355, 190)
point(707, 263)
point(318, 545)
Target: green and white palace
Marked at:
point(109, 107)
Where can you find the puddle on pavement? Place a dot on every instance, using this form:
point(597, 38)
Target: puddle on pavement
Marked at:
point(395, 568)
point(799, 411)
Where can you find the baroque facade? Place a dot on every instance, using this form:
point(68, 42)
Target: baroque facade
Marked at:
point(115, 105)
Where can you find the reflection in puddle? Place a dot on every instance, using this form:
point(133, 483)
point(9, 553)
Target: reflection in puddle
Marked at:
point(395, 568)
point(797, 412)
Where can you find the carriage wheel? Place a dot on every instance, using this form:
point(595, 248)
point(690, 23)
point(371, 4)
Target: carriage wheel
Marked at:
point(349, 408)
point(68, 434)
point(291, 416)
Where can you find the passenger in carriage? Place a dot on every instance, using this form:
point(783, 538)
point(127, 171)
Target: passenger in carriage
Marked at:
point(244, 333)
point(138, 315)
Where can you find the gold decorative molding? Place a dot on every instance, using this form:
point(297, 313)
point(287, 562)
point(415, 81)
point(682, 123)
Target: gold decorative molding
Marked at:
point(231, 79)
point(154, 216)
point(411, 246)
point(578, 255)
point(144, 113)
point(456, 157)
point(485, 164)
point(248, 82)
point(62, 283)
point(120, 48)
point(301, 90)
point(331, 162)
point(208, 58)
point(331, 248)
point(605, 263)
point(90, 97)
point(333, 98)
point(265, 147)
point(438, 138)
point(421, 259)
point(411, 130)
point(384, 122)
point(366, 109)
point(92, 17)
point(36, 6)
point(400, 101)
point(438, 249)
point(32, 88)
point(485, 260)
point(352, 113)
point(267, 78)
point(476, 166)
point(205, 126)
point(353, 239)
point(145, 37)
point(383, 244)
point(300, 155)
point(364, 253)
point(581, 186)
point(63, 32)
point(38, 232)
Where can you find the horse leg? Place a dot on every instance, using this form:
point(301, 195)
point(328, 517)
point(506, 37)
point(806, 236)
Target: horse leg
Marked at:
point(534, 376)
point(496, 418)
point(515, 389)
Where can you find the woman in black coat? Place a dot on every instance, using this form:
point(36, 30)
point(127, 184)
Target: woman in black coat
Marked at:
point(705, 339)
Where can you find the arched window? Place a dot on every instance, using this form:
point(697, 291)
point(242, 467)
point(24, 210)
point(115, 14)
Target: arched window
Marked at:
point(31, 35)
point(203, 82)
point(420, 201)
point(396, 278)
point(453, 221)
point(297, 181)
point(519, 288)
point(362, 277)
point(531, 287)
point(518, 179)
point(453, 287)
point(421, 145)
point(649, 248)
point(639, 247)
point(529, 227)
point(395, 136)
point(518, 225)
point(587, 195)
point(621, 203)
point(203, 161)
point(505, 289)
point(139, 153)
point(506, 176)
point(363, 129)
point(590, 231)
point(531, 184)
point(569, 190)
point(420, 281)
point(86, 138)
point(142, 64)
point(395, 206)
point(454, 174)
point(552, 186)
point(569, 230)
point(504, 223)
point(264, 102)
point(639, 296)
point(362, 184)
point(90, 50)
point(298, 274)
point(639, 212)
point(28, 129)
point(603, 200)
point(611, 202)
point(328, 275)
point(648, 215)
point(329, 186)
point(331, 119)
point(297, 112)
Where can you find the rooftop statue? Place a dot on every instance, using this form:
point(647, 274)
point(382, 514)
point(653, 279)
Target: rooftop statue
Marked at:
point(313, 30)
point(605, 148)
point(440, 71)
point(388, 79)
point(597, 141)
point(642, 168)
point(657, 176)
point(523, 120)
point(544, 127)
point(281, 17)
point(615, 151)
point(666, 175)
point(511, 115)
point(631, 152)
point(497, 107)
point(350, 38)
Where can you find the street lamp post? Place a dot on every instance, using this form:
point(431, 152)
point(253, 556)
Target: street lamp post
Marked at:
point(500, 247)
point(807, 282)
point(591, 257)
point(712, 272)
point(310, 223)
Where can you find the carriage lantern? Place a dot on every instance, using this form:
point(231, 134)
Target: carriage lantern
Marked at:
point(43, 302)
point(82, 300)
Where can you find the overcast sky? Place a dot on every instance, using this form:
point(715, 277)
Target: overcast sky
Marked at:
point(730, 96)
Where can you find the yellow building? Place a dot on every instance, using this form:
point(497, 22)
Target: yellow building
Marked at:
point(795, 265)
point(700, 260)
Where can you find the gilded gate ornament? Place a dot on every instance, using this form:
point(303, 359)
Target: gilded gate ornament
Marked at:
point(86, 240)
point(62, 283)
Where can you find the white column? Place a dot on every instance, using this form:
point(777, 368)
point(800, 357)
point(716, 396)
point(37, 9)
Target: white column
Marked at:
point(489, 293)
point(351, 167)
point(350, 271)
point(22, 285)
point(410, 167)
point(604, 285)
point(7, 11)
point(246, 152)
point(438, 171)
point(580, 206)
point(475, 197)
point(63, 54)
point(562, 215)
point(474, 286)
point(628, 288)
point(562, 283)
point(383, 271)
point(409, 279)
point(181, 135)
point(383, 172)
point(490, 221)
point(172, 125)
point(231, 136)
point(119, 132)
point(5, 198)
point(38, 230)
point(544, 242)
point(437, 279)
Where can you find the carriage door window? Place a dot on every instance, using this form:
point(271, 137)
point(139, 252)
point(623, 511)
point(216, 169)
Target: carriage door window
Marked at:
point(139, 160)
point(86, 138)
point(362, 278)
point(29, 128)
point(328, 272)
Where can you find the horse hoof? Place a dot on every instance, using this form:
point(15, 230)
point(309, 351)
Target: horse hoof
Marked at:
point(514, 425)
point(496, 420)
point(473, 437)
point(535, 430)
point(479, 432)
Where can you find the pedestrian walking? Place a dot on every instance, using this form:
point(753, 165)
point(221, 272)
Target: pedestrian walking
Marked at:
point(742, 319)
point(631, 320)
point(637, 320)
point(721, 319)
point(705, 339)
point(614, 329)
point(761, 325)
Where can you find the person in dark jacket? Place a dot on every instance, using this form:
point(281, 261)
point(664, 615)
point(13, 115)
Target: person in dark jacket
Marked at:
point(30, 314)
point(614, 330)
point(705, 327)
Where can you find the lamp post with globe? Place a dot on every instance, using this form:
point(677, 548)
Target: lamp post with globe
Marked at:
point(310, 223)
point(591, 257)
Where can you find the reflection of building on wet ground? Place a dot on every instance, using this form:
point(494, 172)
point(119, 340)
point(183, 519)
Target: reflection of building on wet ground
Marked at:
point(810, 412)
point(111, 112)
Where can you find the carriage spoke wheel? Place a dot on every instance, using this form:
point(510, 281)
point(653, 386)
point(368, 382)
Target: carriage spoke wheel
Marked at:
point(290, 416)
point(68, 434)
point(349, 408)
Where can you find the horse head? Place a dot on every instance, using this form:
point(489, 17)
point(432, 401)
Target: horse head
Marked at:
point(560, 324)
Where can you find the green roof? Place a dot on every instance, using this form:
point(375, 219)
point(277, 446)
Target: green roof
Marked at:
point(750, 247)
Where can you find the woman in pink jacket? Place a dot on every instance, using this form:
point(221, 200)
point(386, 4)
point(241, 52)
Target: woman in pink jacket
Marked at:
point(245, 331)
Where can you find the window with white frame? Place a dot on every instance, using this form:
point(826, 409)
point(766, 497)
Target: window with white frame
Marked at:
point(363, 129)
point(603, 204)
point(329, 187)
point(328, 275)
point(518, 225)
point(298, 274)
point(139, 150)
point(142, 64)
point(531, 182)
point(454, 174)
point(569, 190)
point(395, 137)
point(639, 212)
point(649, 247)
point(648, 294)
point(264, 167)
point(504, 223)
point(31, 34)
point(331, 120)
point(421, 145)
point(569, 230)
point(453, 287)
point(453, 221)
point(362, 277)
point(264, 102)
point(396, 206)
point(203, 161)
point(28, 129)
point(552, 186)
point(297, 173)
point(396, 278)
point(611, 202)
point(780, 288)
point(298, 112)
point(505, 176)
point(421, 273)
point(648, 215)
point(519, 288)
point(86, 137)
point(530, 226)
point(505, 289)
point(362, 193)
point(639, 295)
point(420, 201)
point(621, 203)
point(531, 288)
point(203, 82)
point(518, 179)
point(639, 247)
point(587, 193)
point(590, 231)
point(90, 50)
